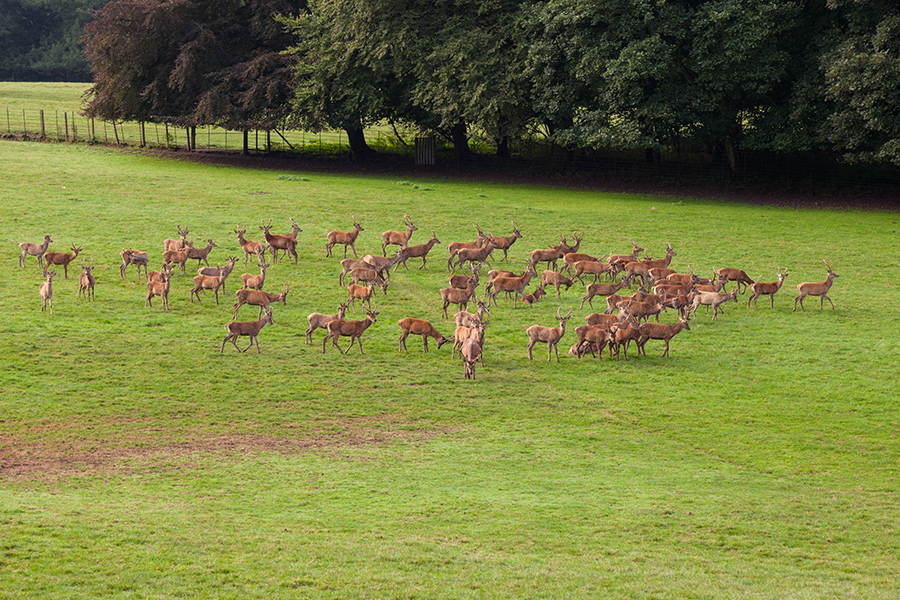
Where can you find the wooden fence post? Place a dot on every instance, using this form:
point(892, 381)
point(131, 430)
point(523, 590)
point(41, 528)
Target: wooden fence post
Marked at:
point(43, 130)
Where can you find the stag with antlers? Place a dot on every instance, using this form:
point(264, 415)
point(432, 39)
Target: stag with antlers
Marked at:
point(398, 238)
point(278, 241)
point(351, 329)
point(766, 289)
point(504, 243)
point(62, 259)
point(251, 329)
point(819, 289)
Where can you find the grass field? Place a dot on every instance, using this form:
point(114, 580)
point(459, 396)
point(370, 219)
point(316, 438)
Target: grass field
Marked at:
point(759, 461)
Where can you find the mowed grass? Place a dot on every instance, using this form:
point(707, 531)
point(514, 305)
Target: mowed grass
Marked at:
point(759, 461)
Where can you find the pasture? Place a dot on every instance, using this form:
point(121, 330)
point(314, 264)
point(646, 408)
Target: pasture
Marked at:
point(760, 460)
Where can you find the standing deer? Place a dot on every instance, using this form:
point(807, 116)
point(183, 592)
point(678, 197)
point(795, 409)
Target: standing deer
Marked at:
point(454, 247)
point(742, 279)
point(382, 265)
point(362, 293)
point(461, 297)
point(137, 258)
point(816, 289)
point(550, 335)
point(555, 279)
point(419, 251)
point(472, 350)
point(347, 238)
point(178, 257)
point(594, 338)
point(397, 238)
point(211, 282)
point(319, 321)
point(474, 255)
point(250, 248)
point(660, 331)
point(410, 325)
point(255, 281)
point(46, 291)
point(251, 329)
point(31, 249)
point(278, 241)
point(714, 299)
point(460, 282)
point(201, 253)
point(179, 244)
point(62, 259)
point(591, 267)
point(86, 281)
point(351, 329)
point(766, 289)
point(600, 289)
point(514, 284)
point(219, 270)
point(259, 298)
point(504, 243)
point(161, 289)
point(550, 255)
point(625, 258)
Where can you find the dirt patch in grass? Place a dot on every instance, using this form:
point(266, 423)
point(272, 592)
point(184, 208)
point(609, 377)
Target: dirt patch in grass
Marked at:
point(77, 453)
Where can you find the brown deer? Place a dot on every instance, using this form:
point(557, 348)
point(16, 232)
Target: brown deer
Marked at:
point(460, 282)
point(32, 249)
point(62, 259)
point(624, 335)
point(278, 241)
point(219, 270)
point(259, 298)
point(550, 255)
point(369, 276)
point(382, 264)
point(211, 282)
point(626, 258)
point(162, 275)
point(662, 263)
point(514, 284)
point(178, 257)
point(201, 253)
point(766, 289)
point(460, 297)
point(161, 289)
point(250, 248)
point(642, 310)
point(348, 264)
point(255, 282)
point(736, 275)
point(550, 335)
point(593, 338)
point(660, 331)
point(319, 320)
point(362, 293)
point(351, 329)
point(570, 258)
point(410, 325)
point(344, 237)
point(419, 251)
point(506, 242)
point(591, 267)
point(467, 319)
point(600, 289)
point(454, 247)
point(816, 289)
point(474, 255)
point(472, 350)
point(251, 329)
point(538, 293)
point(555, 279)
point(46, 291)
point(397, 238)
point(134, 257)
point(86, 281)
point(179, 244)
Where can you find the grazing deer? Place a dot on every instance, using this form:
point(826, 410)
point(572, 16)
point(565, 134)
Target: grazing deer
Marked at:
point(454, 247)
point(625, 258)
point(397, 238)
point(259, 298)
point(362, 293)
point(351, 329)
point(178, 257)
point(201, 253)
point(31, 249)
point(660, 331)
point(161, 289)
point(46, 291)
point(600, 289)
point(736, 275)
point(62, 259)
point(179, 244)
point(504, 243)
point(514, 284)
point(555, 279)
point(212, 282)
point(255, 282)
point(472, 350)
point(816, 289)
point(278, 241)
point(460, 297)
point(420, 251)
point(344, 237)
point(714, 299)
point(409, 325)
point(250, 248)
point(318, 320)
point(86, 281)
point(766, 289)
point(251, 329)
point(474, 255)
point(550, 335)
point(134, 257)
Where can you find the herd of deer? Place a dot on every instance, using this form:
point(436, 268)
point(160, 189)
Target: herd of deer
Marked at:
point(660, 288)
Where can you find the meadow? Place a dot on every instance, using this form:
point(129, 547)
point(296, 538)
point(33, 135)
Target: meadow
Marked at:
point(760, 460)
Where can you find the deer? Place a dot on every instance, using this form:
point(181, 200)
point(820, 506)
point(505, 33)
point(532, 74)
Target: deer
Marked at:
point(736, 275)
point(318, 320)
point(659, 274)
point(348, 264)
point(62, 259)
point(255, 282)
point(474, 255)
point(684, 279)
point(505, 243)
point(161, 289)
point(32, 249)
point(454, 247)
point(162, 275)
point(211, 282)
point(593, 337)
point(219, 270)
point(570, 258)
point(178, 257)
point(766, 289)
point(46, 291)
point(714, 299)
point(250, 248)
point(86, 281)
point(461, 281)
point(625, 258)
point(467, 319)
point(250, 329)
point(472, 350)
point(259, 298)
point(600, 289)
point(550, 335)
point(382, 264)
point(530, 299)
point(555, 279)
point(179, 244)
point(624, 335)
point(816, 289)
point(370, 276)
point(550, 255)
point(660, 331)
point(461, 297)
point(278, 241)
point(419, 251)
point(515, 284)
point(410, 325)
point(351, 329)
point(134, 257)
point(345, 238)
point(642, 310)
point(397, 238)
point(662, 263)
point(362, 293)
point(201, 253)
point(591, 267)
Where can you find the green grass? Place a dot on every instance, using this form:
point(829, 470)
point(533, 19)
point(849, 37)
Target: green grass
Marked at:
point(136, 460)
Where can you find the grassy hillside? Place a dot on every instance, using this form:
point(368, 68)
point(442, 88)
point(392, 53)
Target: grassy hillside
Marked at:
point(758, 461)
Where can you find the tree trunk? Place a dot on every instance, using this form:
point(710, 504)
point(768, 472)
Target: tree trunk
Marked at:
point(461, 141)
point(503, 147)
point(359, 149)
point(246, 149)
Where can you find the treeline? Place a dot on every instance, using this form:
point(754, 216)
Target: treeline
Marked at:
point(681, 76)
